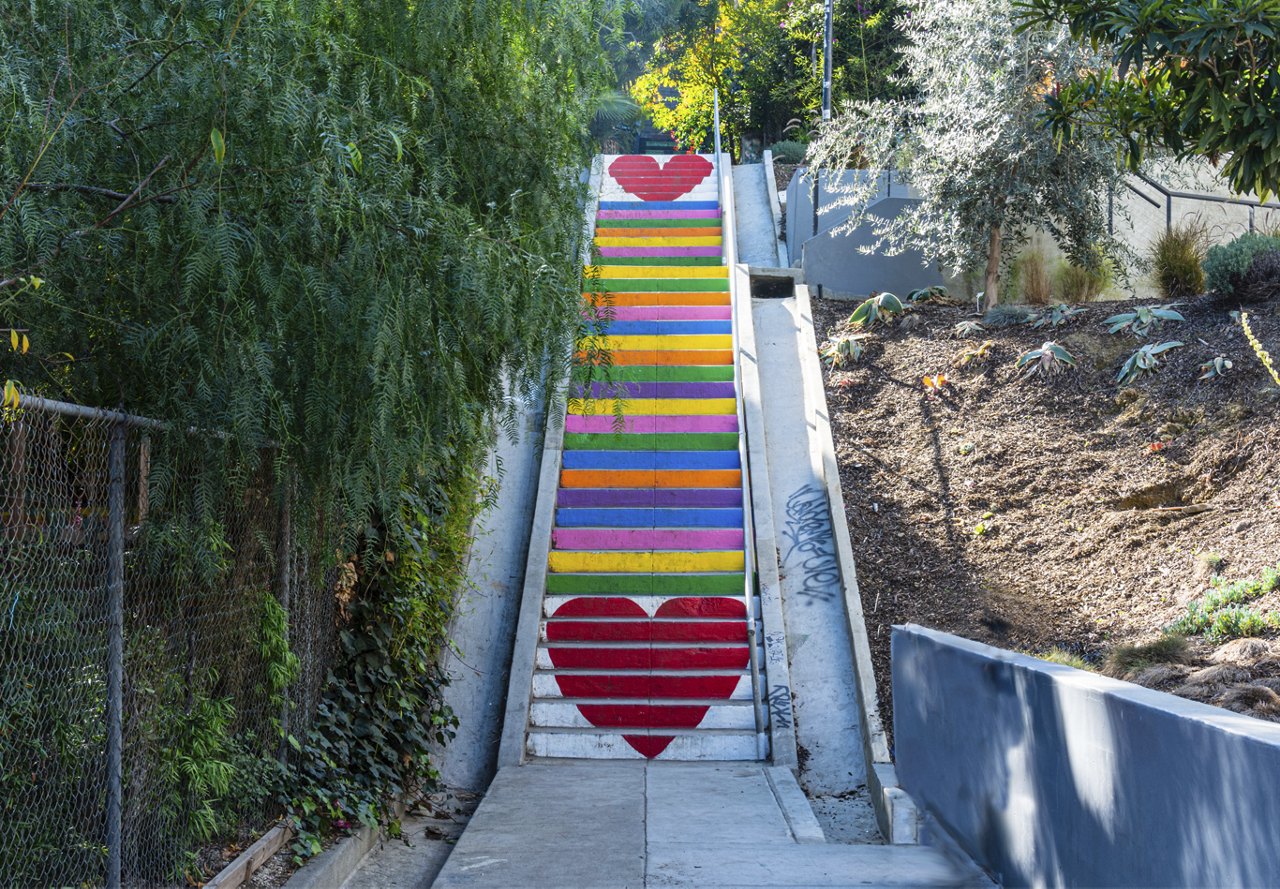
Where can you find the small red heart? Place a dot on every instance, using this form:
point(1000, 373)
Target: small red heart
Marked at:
point(631, 669)
point(641, 176)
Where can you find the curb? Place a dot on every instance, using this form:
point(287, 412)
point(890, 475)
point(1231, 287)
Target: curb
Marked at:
point(238, 872)
point(335, 865)
point(795, 806)
point(896, 813)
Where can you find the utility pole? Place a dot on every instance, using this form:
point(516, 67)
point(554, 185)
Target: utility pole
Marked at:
point(827, 40)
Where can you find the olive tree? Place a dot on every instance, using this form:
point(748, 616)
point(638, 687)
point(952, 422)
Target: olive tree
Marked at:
point(974, 145)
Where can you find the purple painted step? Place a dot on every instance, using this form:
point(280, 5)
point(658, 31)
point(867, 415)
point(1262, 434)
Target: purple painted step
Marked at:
point(659, 390)
point(603, 539)
point(647, 424)
point(658, 214)
point(659, 498)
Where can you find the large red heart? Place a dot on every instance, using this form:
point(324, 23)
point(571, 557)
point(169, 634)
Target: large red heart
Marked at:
point(631, 669)
point(641, 176)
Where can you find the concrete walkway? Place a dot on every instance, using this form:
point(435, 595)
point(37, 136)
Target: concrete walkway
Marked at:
point(828, 730)
point(636, 824)
point(753, 217)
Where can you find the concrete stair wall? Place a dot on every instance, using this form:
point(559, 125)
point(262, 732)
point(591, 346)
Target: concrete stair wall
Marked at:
point(644, 648)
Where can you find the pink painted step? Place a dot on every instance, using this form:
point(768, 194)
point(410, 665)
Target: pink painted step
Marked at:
point(645, 539)
point(706, 423)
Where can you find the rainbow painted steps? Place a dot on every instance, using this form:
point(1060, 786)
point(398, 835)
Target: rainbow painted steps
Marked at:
point(643, 648)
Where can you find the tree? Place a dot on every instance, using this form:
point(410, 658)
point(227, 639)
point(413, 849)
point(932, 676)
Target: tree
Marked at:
point(1199, 79)
point(973, 145)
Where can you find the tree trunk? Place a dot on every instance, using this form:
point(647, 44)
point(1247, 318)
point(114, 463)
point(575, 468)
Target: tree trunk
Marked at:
point(992, 284)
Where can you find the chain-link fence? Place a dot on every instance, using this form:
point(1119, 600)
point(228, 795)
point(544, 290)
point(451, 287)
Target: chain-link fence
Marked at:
point(148, 660)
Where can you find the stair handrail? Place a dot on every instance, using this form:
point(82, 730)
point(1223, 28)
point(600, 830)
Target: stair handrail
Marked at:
point(729, 256)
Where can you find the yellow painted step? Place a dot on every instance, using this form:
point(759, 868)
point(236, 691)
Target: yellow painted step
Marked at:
point(667, 342)
point(656, 406)
point(704, 241)
point(645, 563)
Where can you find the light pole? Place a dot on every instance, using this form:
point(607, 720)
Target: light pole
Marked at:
point(826, 102)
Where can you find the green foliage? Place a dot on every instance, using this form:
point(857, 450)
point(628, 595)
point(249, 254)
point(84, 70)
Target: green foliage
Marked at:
point(383, 711)
point(1054, 316)
point(1262, 282)
point(971, 141)
point(1125, 660)
point(1226, 265)
point(789, 151)
point(1177, 260)
point(1077, 283)
point(1065, 658)
point(283, 666)
point(1050, 360)
point(1222, 612)
point(1199, 79)
point(1144, 361)
point(937, 293)
point(965, 329)
point(1143, 320)
point(878, 309)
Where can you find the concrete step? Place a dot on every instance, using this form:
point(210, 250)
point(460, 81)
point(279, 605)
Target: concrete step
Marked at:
point(580, 824)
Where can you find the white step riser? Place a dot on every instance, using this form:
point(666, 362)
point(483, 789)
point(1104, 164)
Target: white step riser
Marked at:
point(650, 604)
point(545, 686)
point(599, 745)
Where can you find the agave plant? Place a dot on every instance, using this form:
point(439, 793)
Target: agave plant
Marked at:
point(927, 294)
point(1144, 361)
point(1054, 316)
point(966, 329)
point(845, 348)
point(973, 355)
point(1215, 367)
point(879, 308)
point(1050, 359)
point(1142, 320)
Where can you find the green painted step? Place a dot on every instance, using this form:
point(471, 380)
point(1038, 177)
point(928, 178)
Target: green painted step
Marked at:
point(660, 260)
point(663, 441)
point(648, 374)
point(730, 584)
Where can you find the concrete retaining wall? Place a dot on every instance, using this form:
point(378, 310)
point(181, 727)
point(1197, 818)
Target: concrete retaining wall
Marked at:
point(1050, 776)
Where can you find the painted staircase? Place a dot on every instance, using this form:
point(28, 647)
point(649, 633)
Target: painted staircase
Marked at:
point(648, 645)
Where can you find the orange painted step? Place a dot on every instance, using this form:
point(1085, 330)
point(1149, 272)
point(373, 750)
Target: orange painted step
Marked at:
point(662, 478)
point(658, 299)
point(682, 358)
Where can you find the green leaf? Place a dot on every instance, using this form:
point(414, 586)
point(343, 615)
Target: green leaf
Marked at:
point(219, 145)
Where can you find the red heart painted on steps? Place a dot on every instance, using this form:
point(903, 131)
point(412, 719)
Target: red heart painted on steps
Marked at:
point(629, 672)
point(641, 176)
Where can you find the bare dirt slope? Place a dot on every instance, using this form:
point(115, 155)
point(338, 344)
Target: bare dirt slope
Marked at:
point(1068, 513)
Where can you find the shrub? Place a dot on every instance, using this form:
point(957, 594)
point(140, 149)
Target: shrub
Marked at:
point(1142, 320)
point(1227, 265)
point(1034, 279)
point(877, 309)
point(1144, 361)
point(1054, 316)
point(1050, 359)
point(1077, 284)
point(1262, 282)
point(1125, 660)
point(845, 348)
point(1177, 260)
point(788, 151)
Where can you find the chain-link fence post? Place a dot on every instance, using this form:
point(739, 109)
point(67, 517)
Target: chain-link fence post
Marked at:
point(115, 652)
point(284, 582)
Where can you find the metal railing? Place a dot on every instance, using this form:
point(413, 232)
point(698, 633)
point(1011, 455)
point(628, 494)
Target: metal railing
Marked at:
point(1170, 195)
point(729, 256)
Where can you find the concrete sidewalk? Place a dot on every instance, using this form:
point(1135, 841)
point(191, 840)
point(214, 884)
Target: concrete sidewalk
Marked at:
point(635, 824)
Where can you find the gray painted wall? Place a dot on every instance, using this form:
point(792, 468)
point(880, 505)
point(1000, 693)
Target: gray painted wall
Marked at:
point(1051, 776)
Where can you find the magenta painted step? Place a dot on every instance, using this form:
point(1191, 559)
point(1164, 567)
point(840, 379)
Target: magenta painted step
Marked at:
point(659, 251)
point(666, 313)
point(593, 539)
point(658, 214)
point(711, 423)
